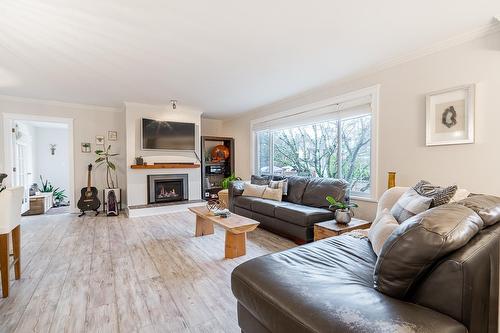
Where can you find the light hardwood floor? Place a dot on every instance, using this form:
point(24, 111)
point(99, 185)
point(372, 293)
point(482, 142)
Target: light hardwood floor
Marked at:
point(113, 274)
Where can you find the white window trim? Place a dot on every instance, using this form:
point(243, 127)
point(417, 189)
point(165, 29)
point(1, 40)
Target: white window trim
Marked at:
point(370, 92)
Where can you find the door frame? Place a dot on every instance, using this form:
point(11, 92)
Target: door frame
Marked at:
point(9, 118)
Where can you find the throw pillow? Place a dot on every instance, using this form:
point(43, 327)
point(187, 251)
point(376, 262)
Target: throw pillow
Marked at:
point(440, 195)
point(486, 206)
point(460, 195)
point(252, 190)
point(410, 204)
point(381, 229)
point(418, 243)
point(283, 184)
point(260, 180)
point(273, 193)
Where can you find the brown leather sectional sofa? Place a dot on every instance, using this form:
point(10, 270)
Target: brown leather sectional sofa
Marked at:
point(328, 286)
point(295, 216)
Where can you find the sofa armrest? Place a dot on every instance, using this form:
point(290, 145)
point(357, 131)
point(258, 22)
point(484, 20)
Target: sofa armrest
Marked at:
point(235, 189)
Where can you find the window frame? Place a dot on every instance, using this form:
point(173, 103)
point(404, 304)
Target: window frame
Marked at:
point(371, 92)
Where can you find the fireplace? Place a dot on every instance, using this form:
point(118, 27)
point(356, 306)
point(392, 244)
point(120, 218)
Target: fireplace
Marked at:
point(167, 188)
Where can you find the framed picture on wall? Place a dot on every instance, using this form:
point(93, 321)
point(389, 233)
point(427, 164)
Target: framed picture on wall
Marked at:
point(112, 135)
point(450, 116)
point(86, 148)
point(99, 139)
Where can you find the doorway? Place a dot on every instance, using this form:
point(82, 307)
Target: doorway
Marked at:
point(39, 157)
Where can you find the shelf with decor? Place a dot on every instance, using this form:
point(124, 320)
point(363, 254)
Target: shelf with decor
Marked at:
point(217, 163)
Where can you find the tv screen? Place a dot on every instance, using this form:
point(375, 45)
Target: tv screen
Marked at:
point(167, 135)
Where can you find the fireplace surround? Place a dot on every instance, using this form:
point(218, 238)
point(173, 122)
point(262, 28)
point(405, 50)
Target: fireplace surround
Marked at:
point(167, 188)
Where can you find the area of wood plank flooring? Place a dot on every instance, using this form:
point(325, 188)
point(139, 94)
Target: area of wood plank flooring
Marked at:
point(113, 274)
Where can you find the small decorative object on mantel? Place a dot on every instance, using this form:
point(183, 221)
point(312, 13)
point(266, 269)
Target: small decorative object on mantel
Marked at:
point(450, 116)
point(139, 160)
point(342, 210)
point(86, 148)
point(112, 135)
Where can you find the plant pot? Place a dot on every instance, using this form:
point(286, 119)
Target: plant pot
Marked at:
point(343, 216)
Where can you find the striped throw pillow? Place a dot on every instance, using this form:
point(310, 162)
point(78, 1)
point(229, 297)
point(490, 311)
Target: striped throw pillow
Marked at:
point(283, 184)
point(440, 195)
point(410, 204)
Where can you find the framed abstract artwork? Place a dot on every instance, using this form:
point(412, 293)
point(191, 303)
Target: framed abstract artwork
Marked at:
point(450, 116)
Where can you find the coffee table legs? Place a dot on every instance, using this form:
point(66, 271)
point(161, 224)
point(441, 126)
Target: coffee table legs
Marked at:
point(235, 245)
point(203, 227)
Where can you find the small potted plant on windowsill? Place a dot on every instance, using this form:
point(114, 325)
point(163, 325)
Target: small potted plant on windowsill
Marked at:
point(342, 210)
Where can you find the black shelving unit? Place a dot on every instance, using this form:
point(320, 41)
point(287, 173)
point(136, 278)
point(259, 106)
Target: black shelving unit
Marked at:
point(212, 173)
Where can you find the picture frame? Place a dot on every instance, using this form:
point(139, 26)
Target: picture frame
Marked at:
point(450, 116)
point(99, 139)
point(112, 135)
point(86, 147)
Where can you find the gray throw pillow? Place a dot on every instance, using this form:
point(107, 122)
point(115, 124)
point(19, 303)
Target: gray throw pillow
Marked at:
point(410, 204)
point(260, 180)
point(419, 242)
point(440, 195)
point(274, 184)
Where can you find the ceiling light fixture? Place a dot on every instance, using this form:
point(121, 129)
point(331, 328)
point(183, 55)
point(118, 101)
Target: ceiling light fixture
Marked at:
point(174, 103)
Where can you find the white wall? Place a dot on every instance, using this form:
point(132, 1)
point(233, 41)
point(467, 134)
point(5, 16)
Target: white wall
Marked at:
point(137, 178)
point(54, 168)
point(88, 122)
point(402, 119)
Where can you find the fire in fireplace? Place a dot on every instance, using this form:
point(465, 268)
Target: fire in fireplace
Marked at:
point(167, 188)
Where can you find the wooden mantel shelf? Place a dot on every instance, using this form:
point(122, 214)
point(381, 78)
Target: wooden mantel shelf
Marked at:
point(166, 166)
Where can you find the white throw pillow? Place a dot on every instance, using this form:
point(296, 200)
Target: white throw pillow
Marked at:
point(251, 190)
point(410, 204)
point(460, 195)
point(381, 229)
point(273, 193)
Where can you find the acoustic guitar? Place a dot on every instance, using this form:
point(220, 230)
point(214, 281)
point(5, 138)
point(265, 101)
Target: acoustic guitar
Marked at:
point(89, 200)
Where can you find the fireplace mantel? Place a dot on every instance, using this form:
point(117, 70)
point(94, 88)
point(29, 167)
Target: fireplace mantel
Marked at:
point(166, 166)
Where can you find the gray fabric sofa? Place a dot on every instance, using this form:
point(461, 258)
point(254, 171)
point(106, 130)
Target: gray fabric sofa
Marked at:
point(295, 216)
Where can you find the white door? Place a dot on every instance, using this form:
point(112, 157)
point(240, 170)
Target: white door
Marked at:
point(21, 174)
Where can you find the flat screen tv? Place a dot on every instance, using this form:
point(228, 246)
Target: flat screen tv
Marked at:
point(167, 135)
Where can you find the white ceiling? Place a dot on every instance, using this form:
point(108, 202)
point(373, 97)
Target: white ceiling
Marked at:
point(222, 56)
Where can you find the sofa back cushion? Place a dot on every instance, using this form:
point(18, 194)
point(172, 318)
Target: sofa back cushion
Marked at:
point(419, 242)
point(318, 188)
point(296, 188)
point(487, 206)
point(260, 180)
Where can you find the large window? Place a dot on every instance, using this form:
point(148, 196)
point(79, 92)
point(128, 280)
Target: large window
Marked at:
point(337, 148)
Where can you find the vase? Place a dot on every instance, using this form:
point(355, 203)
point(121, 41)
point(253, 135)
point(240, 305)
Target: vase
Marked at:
point(343, 216)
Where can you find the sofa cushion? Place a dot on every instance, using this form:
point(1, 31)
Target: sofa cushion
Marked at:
point(419, 242)
point(381, 228)
point(266, 206)
point(296, 188)
point(326, 286)
point(275, 194)
point(410, 204)
point(318, 188)
point(260, 180)
point(302, 215)
point(486, 206)
point(244, 202)
point(252, 190)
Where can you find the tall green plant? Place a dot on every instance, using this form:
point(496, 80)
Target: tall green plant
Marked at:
point(46, 186)
point(104, 158)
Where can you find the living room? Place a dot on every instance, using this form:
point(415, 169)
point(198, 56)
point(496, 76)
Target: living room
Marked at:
point(306, 167)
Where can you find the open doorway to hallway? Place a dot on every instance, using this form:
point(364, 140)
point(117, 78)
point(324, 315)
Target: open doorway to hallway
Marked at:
point(39, 154)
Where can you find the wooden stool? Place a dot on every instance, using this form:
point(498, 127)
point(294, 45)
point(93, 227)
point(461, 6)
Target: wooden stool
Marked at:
point(11, 201)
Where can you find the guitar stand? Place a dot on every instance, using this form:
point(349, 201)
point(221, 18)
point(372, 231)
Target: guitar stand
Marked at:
point(82, 213)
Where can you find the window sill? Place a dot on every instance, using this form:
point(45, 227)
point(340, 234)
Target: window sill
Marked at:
point(365, 199)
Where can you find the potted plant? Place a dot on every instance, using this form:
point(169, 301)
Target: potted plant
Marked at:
point(342, 210)
point(225, 182)
point(112, 192)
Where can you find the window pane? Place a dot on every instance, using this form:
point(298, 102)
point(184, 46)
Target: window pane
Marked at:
point(306, 150)
point(356, 137)
point(263, 146)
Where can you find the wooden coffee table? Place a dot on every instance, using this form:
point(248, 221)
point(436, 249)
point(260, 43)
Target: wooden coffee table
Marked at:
point(332, 228)
point(236, 228)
